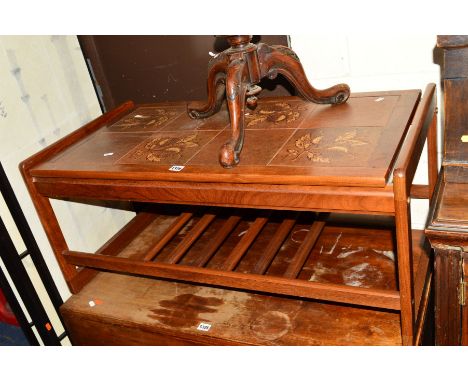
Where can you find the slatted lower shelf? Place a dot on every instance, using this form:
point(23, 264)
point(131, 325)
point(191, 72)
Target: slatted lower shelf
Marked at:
point(270, 284)
point(289, 253)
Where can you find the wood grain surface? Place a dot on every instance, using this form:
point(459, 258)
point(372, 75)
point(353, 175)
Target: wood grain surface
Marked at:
point(142, 311)
point(355, 258)
point(287, 141)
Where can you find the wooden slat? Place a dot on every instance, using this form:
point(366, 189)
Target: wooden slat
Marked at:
point(216, 242)
point(292, 287)
point(114, 245)
point(190, 238)
point(303, 252)
point(168, 235)
point(125, 235)
point(244, 244)
point(274, 245)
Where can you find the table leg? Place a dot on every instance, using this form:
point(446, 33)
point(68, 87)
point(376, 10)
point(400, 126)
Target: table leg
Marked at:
point(404, 257)
point(75, 278)
point(236, 88)
point(216, 88)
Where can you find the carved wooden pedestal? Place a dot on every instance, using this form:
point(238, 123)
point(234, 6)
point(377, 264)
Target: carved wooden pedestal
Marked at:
point(237, 70)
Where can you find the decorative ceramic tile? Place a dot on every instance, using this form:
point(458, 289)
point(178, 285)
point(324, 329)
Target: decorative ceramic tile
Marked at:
point(100, 147)
point(356, 112)
point(168, 148)
point(217, 121)
point(259, 147)
point(344, 147)
point(147, 118)
point(273, 114)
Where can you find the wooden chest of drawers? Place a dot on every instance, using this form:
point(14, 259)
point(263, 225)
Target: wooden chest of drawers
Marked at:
point(448, 221)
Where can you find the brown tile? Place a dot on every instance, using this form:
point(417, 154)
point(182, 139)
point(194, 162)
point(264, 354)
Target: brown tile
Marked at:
point(356, 112)
point(170, 147)
point(259, 147)
point(331, 147)
point(100, 147)
point(282, 114)
point(147, 118)
point(218, 121)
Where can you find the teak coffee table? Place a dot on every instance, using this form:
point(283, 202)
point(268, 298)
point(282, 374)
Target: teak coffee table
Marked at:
point(301, 159)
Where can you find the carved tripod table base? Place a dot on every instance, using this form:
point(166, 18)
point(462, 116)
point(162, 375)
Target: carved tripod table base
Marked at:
point(236, 71)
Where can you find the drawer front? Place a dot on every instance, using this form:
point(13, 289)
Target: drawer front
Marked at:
point(456, 121)
point(456, 63)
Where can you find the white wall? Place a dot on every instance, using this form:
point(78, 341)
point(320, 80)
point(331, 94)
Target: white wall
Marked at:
point(372, 62)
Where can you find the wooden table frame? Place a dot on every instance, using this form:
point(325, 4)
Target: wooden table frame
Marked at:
point(393, 200)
